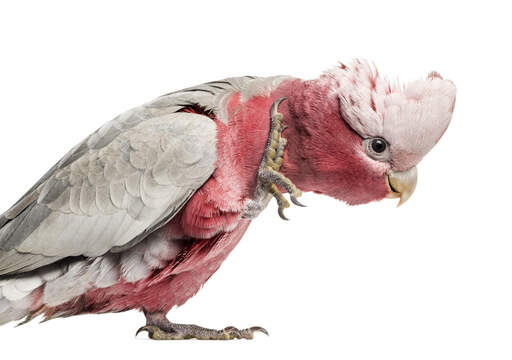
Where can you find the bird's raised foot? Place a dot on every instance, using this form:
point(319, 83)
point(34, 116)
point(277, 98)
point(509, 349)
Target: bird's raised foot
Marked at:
point(269, 177)
point(182, 332)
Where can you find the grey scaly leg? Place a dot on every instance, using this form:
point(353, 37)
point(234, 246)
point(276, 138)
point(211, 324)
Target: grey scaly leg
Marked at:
point(160, 328)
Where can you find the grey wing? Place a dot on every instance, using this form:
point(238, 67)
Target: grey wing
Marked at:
point(108, 193)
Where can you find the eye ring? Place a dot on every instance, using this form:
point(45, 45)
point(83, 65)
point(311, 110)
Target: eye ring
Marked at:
point(377, 148)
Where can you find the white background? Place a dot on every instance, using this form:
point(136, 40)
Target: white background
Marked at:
point(430, 280)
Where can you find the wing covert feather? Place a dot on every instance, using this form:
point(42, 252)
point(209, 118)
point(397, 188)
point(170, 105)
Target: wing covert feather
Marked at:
point(124, 181)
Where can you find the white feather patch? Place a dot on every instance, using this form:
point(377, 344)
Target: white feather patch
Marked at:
point(411, 118)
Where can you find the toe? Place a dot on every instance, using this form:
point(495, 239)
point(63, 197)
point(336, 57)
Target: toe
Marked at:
point(232, 332)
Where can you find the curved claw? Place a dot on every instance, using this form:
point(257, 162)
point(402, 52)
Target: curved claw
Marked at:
point(147, 328)
point(235, 333)
point(296, 201)
point(275, 105)
point(260, 329)
point(281, 214)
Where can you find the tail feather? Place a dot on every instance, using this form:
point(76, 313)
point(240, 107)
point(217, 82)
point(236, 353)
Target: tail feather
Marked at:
point(8, 311)
point(17, 296)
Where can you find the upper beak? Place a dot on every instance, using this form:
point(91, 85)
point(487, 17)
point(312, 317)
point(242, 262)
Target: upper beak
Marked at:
point(402, 184)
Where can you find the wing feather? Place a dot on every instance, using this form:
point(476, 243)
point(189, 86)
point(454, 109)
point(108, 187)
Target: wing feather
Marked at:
point(120, 184)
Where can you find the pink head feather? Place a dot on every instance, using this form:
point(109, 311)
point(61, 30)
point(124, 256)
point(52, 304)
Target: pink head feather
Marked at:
point(411, 118)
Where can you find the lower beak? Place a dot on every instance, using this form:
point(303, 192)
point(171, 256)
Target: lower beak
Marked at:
point(402, 184)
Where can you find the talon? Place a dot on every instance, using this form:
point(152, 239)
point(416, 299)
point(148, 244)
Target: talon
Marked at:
point(249, 333)
point(296, 201)
point(149, 329)
point(260, 329)
point(273, 109)
point(281, 214)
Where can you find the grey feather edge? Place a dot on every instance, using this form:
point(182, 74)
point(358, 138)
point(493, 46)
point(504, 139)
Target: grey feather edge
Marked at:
point(14, 218)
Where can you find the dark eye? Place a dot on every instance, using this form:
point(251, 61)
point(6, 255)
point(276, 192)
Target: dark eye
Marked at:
point(378, 145)
point(377, 148)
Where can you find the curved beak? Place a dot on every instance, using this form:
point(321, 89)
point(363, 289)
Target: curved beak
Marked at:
point(401, 184)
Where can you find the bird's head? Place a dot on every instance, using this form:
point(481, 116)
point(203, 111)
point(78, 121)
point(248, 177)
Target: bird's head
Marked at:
point(371, 133)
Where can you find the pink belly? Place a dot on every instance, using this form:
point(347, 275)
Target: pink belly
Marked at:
point(170, 286)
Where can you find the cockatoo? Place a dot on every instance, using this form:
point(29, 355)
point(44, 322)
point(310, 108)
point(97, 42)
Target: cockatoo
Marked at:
point(142, 212)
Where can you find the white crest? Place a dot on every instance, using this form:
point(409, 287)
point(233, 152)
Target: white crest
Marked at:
point(411, 118)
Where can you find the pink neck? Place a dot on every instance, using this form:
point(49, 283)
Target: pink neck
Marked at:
point(323, 153)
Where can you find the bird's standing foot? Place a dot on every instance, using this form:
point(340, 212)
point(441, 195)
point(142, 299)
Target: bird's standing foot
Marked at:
point(160, 328)
point(183, 332)
point(269, 177)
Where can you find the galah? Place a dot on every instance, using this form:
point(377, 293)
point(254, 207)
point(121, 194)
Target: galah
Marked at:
point(142, 212)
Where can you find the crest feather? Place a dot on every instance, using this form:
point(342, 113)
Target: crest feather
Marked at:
point(411, 117)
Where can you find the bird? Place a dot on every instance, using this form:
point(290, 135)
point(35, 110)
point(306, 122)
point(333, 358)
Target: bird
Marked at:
point(143, 211)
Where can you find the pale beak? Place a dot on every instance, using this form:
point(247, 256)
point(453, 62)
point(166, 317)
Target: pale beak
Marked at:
point(402, 184)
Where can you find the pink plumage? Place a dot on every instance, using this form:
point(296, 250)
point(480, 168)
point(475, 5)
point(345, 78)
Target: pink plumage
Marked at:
point(349, 134)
